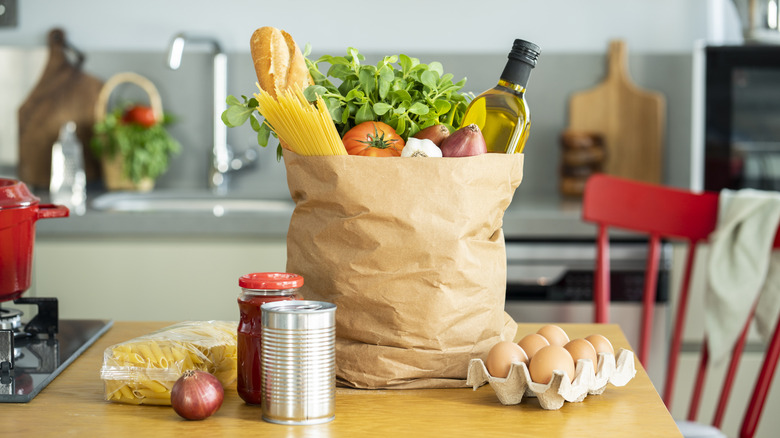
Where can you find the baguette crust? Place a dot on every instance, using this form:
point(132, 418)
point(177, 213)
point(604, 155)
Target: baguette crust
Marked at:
point(279, 64)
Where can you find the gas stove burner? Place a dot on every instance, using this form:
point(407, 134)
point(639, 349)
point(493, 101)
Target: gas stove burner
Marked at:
point(32, 354)
point(10, 319)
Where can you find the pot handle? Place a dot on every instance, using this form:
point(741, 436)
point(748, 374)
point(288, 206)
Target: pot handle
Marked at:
point(48, 211)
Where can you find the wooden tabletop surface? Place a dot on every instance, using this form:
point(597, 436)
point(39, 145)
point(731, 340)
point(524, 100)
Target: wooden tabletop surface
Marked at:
point(73, 405)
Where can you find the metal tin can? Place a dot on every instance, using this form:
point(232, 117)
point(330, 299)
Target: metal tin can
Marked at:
point(299, 362)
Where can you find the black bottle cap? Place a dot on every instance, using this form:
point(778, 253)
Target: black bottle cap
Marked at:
point(525, 51)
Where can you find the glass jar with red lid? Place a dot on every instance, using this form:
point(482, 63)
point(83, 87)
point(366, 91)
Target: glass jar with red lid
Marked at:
point(257, 289)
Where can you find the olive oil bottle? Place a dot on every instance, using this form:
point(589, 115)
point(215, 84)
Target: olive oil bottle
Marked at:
point(502, 112)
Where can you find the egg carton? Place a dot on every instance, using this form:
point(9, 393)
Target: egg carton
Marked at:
point(518, 384)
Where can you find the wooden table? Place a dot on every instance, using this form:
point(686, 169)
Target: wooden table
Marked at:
point(73, 405)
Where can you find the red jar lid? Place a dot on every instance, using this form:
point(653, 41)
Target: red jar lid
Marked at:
point(270, 280)
point(15, 194)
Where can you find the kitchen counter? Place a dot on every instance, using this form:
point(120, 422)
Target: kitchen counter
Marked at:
point(526, 218)
point(73, 405)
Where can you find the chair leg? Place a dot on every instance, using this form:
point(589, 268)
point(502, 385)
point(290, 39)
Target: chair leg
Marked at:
point(679, 325)
point(650, 290)
point(698, 387)
point(763, 383)
point(601, 286)
point(731, 374)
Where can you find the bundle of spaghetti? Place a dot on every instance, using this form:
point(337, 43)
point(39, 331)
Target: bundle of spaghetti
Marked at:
point(304, 128)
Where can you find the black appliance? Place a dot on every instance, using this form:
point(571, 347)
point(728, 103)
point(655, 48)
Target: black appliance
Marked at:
point(742, 117)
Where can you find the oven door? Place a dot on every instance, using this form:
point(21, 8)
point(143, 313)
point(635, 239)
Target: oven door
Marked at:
point(552, 281)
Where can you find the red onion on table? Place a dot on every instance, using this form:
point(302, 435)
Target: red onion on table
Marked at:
point(465, 142)
point(196, 395)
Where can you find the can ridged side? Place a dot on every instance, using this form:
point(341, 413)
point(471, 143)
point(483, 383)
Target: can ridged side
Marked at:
point(298, 359)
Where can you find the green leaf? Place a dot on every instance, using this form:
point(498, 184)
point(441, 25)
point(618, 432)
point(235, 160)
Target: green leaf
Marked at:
point(254, 123)
point(344, 112)
point(236, 115)
point(384, 88)
point(441, 106)
point(232, 100)
point(355, 94)
point(367, 82)
point(430, 79)
point(380, 108)
point(419, 108)
point(334, 108)
point(405, 62)
point(401, 96)
point(413, 128)
point(436, 67)
point(401, 125)
point(341, 71)
point(387, 73)
point(263, 132)
point(311, 92)
point(364, 114)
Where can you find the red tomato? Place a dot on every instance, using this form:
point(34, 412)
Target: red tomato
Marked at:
point(373, 139)
point(142, 115)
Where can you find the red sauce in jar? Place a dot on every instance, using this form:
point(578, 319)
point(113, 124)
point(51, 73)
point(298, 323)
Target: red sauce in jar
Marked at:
point(258, 289)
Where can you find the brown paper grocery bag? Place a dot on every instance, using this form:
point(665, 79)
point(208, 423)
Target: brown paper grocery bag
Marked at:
point(411, 250)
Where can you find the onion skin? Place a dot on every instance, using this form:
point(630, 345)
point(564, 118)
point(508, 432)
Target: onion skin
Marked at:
point(436, 133)
point(467, 141)
point(197, 395)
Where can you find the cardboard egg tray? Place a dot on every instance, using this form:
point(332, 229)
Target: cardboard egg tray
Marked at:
point(511, 389)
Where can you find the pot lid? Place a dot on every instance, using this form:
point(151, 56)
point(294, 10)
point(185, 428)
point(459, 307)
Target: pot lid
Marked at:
point(15, 194)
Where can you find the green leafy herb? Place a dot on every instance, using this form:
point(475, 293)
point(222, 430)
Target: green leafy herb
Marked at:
point(145, 150)
point(398, 90)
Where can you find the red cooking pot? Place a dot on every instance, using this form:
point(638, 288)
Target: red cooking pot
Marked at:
point(19, 210)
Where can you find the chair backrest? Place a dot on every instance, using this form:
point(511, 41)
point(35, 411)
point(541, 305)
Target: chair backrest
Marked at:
point(661, 213)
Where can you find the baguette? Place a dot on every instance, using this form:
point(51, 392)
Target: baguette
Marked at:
point(279, 63)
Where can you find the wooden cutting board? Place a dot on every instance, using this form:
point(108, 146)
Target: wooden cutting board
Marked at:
point(63, 93)
point(631, 120)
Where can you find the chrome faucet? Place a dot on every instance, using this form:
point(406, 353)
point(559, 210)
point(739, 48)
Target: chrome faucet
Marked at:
point(223, 161)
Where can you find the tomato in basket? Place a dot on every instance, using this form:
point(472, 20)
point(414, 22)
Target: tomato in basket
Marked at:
point(142, 115)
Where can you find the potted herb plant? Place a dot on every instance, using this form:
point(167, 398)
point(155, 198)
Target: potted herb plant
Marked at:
point(132, 141)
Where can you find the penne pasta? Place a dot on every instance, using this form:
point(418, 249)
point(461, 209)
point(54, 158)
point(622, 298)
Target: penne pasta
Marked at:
point(143, 370)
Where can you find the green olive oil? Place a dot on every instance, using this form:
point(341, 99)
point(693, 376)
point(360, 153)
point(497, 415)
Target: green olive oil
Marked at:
point(502, 112)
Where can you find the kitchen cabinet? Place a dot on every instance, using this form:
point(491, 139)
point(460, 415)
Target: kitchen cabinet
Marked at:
point(150, 278)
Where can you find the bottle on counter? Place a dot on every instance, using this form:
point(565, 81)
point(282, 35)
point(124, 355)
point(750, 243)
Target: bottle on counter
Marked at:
point(502, 112)
point(257, 289)
point(68, 183)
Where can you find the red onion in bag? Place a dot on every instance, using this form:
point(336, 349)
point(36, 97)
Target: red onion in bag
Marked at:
point(465, 142)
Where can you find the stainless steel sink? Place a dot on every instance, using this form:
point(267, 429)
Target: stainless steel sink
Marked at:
point(188, 201)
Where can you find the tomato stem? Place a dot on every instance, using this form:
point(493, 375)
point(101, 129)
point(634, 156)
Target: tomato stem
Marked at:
point(378, 140)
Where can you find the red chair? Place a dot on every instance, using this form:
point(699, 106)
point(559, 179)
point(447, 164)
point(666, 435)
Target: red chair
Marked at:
point(667, 213)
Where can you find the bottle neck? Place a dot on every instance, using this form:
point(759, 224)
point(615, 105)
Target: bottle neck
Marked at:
point(515, 75)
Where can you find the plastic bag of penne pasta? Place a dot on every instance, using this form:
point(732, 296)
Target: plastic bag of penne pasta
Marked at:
point(144, 369)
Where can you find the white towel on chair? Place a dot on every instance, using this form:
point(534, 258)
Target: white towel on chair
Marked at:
point(738, 270)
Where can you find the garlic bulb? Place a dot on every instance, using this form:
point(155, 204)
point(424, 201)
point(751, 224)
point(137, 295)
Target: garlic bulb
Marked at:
point(416, 147)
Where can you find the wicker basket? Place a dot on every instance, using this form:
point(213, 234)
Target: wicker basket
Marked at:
point(114, 176)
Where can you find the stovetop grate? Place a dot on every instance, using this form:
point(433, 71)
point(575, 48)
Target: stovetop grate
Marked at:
point(32, 356)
